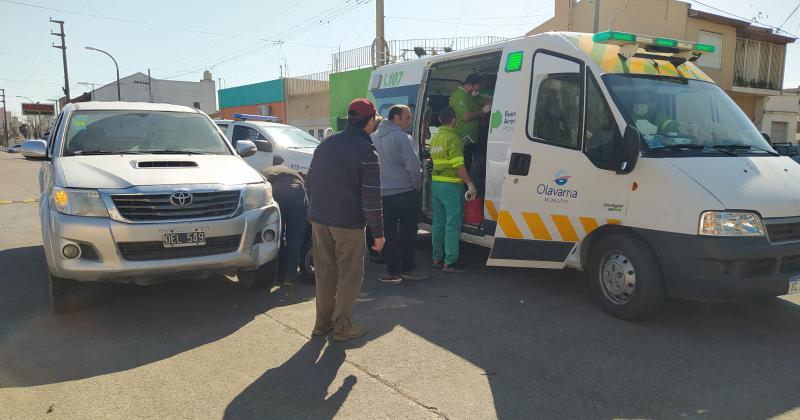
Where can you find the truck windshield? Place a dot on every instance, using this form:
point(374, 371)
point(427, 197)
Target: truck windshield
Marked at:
point(677, 116)
point(292, 137)
point(141, 132)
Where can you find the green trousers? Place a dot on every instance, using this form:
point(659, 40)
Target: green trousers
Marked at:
point(448, 213)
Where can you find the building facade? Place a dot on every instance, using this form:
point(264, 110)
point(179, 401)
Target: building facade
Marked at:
point(139, 87)
point(748, 62)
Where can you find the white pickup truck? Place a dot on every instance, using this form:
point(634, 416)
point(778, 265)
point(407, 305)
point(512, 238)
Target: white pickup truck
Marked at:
point(140, 193)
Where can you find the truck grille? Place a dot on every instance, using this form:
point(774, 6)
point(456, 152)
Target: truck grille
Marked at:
point(154, 207)
point(783, 232)
point(145, 251)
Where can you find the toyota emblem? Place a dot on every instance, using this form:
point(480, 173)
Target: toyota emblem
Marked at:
point(180, 199)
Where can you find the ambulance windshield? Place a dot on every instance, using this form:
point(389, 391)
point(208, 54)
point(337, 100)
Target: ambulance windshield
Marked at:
point(678, 115)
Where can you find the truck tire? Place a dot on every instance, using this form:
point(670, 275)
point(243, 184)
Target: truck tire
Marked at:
point(307, 263)
point(626, 278)
point(260, 278)
point(65, 295)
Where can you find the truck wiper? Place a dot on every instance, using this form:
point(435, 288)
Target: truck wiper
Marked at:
point(744, 147)
point(175, 152)
point(104, 152)
point(694, 147)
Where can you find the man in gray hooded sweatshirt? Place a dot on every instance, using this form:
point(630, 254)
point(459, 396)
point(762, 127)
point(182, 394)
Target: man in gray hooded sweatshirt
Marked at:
point(401, 183)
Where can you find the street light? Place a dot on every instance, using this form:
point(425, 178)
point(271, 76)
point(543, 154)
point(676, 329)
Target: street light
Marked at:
point(119, 94)
point(29, 99)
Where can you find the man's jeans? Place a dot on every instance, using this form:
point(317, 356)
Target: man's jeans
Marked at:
point(400, 230)
point(294, 207)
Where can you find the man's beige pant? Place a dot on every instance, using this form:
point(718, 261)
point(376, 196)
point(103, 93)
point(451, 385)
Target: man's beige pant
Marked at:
point(339, 271)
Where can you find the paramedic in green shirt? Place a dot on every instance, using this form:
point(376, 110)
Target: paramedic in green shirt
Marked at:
point(469, 109)
point(449, 176)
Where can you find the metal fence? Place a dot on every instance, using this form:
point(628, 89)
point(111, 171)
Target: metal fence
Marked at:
point(407, 49)
point(310, 83)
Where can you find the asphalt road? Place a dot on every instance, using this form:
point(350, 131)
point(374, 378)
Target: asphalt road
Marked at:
point(507, 343)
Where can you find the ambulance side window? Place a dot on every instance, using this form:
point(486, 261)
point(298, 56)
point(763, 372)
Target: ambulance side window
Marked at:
point(554, 114)
point(601, 134)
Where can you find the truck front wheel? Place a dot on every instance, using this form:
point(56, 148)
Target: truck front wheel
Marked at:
point(626, 278)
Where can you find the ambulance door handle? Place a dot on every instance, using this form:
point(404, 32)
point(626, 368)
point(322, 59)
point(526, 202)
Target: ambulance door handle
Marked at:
point(519, 164)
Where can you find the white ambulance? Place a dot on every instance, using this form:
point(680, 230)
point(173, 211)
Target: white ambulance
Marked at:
point(614, 154)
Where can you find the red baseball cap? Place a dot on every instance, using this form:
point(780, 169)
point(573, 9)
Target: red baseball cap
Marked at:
point(361, 108)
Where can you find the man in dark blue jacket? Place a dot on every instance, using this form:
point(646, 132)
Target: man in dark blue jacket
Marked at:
point(344, 188)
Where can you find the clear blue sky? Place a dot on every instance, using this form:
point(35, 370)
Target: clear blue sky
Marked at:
point(181, 39)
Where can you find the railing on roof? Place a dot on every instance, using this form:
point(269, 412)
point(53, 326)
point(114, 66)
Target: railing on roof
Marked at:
point(310, 83)
point(404, 50)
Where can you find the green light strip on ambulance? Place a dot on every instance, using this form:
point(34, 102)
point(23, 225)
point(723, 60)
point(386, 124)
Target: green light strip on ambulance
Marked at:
point(704, 48)
point(514, 61)
point(664, 42)
point(613, 36)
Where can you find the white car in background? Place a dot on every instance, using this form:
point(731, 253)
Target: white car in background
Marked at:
point(276, 144)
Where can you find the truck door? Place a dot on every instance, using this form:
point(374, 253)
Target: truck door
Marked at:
point(558, 184)
point(262, 159)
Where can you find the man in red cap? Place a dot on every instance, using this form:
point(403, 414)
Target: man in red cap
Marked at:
point(344, 185)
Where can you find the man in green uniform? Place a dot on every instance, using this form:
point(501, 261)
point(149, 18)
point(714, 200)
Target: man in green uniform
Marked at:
point(469, 108)
point(449, 176)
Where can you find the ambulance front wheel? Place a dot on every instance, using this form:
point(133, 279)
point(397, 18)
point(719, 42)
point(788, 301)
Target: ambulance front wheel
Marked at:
point(626, 277)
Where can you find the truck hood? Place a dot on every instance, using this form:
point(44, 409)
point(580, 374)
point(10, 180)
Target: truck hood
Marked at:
point(769, 185)
point(123, 171)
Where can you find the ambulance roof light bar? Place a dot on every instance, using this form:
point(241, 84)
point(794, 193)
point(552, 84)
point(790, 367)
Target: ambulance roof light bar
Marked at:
point(253, 117)
point(651, 43)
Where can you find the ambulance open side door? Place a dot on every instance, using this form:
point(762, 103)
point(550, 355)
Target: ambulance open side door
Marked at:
point(559, 138)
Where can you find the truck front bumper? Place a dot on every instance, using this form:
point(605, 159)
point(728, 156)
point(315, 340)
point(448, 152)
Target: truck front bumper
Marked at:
point(724, 268)
point(134, 252)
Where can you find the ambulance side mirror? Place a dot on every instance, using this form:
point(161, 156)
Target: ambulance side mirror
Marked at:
point(629, 151)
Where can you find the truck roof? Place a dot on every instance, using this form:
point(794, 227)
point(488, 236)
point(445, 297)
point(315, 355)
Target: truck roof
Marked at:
point(127, 106)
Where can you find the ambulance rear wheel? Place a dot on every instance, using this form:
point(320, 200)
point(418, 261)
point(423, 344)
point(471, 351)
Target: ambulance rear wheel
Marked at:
point(626, 278)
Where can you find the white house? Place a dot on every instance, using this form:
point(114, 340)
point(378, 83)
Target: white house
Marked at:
point(138, 87)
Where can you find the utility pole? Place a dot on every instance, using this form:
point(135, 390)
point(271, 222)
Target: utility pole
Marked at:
point(379, 45)
point(5, 117)
point(63, 48)
point(596, 15)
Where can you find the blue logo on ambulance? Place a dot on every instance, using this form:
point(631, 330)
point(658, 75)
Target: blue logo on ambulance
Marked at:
point(561, 178)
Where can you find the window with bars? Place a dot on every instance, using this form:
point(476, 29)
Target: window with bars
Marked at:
point(758, 64)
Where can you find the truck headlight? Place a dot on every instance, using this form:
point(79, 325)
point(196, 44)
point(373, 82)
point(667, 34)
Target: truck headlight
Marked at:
point(257, 196)
point(79, 202)
point(730, 223)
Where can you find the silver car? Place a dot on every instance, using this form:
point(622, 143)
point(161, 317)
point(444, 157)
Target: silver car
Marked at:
point(141, 193)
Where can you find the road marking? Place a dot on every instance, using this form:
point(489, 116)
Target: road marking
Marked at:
point(26, 201)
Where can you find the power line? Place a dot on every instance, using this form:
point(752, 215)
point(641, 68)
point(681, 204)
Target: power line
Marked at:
point(462, 19)
point(455, 22)
point(790, 16)
point(283, 36)
point(744, 18)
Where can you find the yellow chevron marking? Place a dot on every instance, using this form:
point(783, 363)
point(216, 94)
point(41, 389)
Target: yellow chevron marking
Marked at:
point(536, 225)
point(565, 228)
point(491, 209)
point(613, 221)
point(589, 224)
point(506, 222)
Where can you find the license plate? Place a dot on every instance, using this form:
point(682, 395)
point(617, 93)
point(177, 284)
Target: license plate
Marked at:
point(174, 239)
point(794, 284)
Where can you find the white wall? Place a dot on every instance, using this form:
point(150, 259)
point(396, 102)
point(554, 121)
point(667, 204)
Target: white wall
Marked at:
point(135, 89)
point(783, 108)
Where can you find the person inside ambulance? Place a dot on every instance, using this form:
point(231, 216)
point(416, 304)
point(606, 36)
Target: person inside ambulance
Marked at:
point(469, 107)
point(648, 119)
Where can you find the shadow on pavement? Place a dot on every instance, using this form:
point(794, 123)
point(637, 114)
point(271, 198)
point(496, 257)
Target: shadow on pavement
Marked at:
point(123, 327)
point(549, 352)
point(298, 388)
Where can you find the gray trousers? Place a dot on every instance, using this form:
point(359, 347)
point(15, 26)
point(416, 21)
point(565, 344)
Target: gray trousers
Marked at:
point(339, 272)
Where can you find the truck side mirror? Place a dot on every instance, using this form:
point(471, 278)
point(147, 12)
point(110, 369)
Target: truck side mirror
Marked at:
point(767, 138)
point(629, 151)
point(245, 148)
